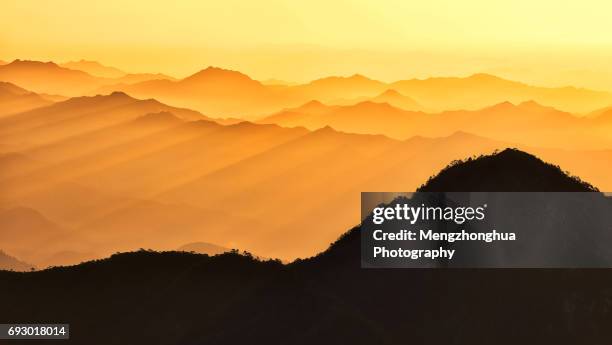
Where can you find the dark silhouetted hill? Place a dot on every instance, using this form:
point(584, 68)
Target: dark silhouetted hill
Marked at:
point(508, 171)
point(177, 298)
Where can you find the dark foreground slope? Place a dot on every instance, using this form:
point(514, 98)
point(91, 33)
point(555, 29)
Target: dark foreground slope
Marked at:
point(180, 298)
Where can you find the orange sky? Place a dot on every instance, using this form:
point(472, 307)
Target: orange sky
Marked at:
point(547, 42)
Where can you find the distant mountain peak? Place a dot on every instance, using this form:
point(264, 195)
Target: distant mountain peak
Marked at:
point(391, 93)
point(398, 100)
point(162, 116)
point(311, 106)
point(358, 76)
point(48, 78)
point(530, 105)
point(32, 63)
point(355, 78)
point(534, 106)
point(313, 102)
point(94, 68)
point(506, 105)
point(120, 94)
point(373, 106)
point(218, 69)
point(325, 130)
point(116, 96)
point(213, 73)
point(485, 77)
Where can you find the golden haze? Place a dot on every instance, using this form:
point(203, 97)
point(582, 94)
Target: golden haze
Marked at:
point(116, 135)
point(132, 171)
point(547, 42)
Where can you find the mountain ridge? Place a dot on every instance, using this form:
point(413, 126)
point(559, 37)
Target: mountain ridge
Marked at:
point(94, 68)
point(15, 99)
point(323, 299)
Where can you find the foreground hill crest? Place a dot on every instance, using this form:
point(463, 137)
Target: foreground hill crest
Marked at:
point(510, 170)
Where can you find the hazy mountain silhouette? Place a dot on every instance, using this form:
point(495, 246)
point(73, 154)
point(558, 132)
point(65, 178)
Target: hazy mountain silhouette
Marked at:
point(212, 90)
point(327, 299)
point(203, 248)
point(366, 117)
point(94, 68)
point(206, 78)
point(131, 78)
point(48, 77)
point(527, 123)
point(329, 88)
point(71, 79)
point(440, 94)
point(112, 74)
point(159, 117)
point(598, 112)
point(147, 224)
point(312, 107)
point(80, 114)
point(113, 158)
point(78, 144)
point(66, 258)
point(398, 100)
point(389, 96)
point(14, 99)
point(215, 91)
point(9, 263)
point(304, 115)
point(27, 234)
point(447, 93)
point(486, 89)
point(603, 118)
point(120, 164)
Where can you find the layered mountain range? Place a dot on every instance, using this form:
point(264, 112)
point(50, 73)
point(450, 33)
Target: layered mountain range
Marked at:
point(328, 298)
point(85, 176)
point(214, 90)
